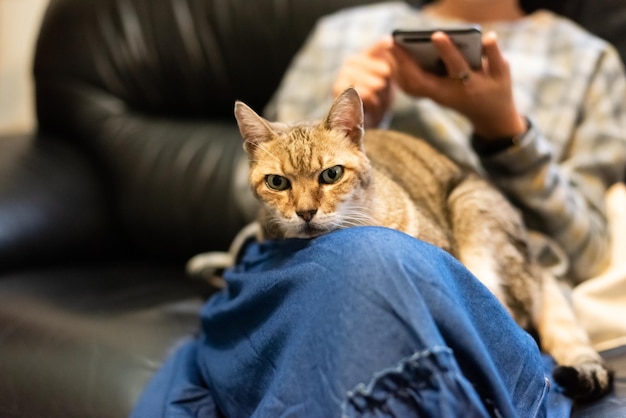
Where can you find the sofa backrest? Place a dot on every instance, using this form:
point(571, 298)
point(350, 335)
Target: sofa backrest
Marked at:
point(175, 57)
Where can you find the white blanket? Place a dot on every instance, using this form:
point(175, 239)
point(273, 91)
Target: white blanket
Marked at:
point(600, 302)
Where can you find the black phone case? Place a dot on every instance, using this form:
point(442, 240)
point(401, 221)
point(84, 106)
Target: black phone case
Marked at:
point(419, 45)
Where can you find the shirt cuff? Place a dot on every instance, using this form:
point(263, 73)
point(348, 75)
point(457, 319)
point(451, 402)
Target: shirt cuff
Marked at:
point(529, 152)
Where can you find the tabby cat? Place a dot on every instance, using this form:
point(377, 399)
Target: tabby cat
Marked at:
point(314, 178)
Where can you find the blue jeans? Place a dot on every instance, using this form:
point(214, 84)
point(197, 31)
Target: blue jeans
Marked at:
point(360, 322)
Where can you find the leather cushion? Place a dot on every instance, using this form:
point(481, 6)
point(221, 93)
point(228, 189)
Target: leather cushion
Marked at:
point(83, 341)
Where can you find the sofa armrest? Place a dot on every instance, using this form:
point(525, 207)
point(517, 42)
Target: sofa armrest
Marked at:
point(52, 203)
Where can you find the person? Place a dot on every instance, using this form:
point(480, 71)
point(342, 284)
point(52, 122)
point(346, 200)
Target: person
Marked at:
point(370, 322)
point(556, 89)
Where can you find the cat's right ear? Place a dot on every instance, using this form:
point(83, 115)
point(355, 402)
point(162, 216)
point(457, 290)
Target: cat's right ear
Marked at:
point(253, 128)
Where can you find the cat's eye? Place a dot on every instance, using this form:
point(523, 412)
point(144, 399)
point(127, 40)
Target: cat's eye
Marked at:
point(331, 175)
point(276, 182)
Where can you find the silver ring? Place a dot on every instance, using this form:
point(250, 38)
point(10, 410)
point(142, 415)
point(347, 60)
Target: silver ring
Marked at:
point(463, 77)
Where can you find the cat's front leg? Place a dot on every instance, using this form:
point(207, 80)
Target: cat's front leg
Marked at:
point(208, 266)
point(580, 369)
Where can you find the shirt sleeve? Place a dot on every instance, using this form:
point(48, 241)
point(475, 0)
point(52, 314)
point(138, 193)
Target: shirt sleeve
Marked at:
point(565, 199)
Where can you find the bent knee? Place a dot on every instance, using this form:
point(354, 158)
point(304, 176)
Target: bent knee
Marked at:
point(372, 245)
point(363, 242)
point(365, 256)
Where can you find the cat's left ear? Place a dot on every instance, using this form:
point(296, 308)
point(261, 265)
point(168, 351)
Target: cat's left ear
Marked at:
point(253, 128)
point(346, 114)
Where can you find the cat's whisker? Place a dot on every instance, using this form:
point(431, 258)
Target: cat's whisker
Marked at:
point(356, 214)
point(357, 217)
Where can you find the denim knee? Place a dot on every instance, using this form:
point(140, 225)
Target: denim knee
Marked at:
point(377, 256)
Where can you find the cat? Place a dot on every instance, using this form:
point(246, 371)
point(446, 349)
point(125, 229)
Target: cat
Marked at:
point(314, 178)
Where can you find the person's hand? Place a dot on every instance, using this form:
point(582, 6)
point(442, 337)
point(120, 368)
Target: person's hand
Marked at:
point(485, 96)
point(369, 72)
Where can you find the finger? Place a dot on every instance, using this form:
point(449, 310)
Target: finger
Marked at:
point(497, 64)
point(365, 68)
point(450, 55)
point(366, 84)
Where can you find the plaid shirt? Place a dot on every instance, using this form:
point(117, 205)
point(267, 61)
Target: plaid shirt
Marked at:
point(569, 84)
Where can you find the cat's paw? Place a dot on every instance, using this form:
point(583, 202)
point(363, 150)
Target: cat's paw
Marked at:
point(207, 266)
point(584, 382)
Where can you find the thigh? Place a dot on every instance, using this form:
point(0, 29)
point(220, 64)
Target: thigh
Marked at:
point(178, 389)
point(306, 322)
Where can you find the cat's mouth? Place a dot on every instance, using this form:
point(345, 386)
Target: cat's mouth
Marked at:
point(309, 230)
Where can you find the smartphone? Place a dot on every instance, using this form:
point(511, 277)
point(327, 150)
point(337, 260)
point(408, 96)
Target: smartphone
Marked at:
point(418, 43)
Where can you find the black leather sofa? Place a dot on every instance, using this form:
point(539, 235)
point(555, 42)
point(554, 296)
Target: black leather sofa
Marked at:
point(129, 174)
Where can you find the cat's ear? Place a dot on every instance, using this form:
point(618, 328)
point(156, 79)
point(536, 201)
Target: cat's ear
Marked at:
point(346, 114)
point(253, 128)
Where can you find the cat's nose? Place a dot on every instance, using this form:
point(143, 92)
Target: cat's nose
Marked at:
point(307, 215)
